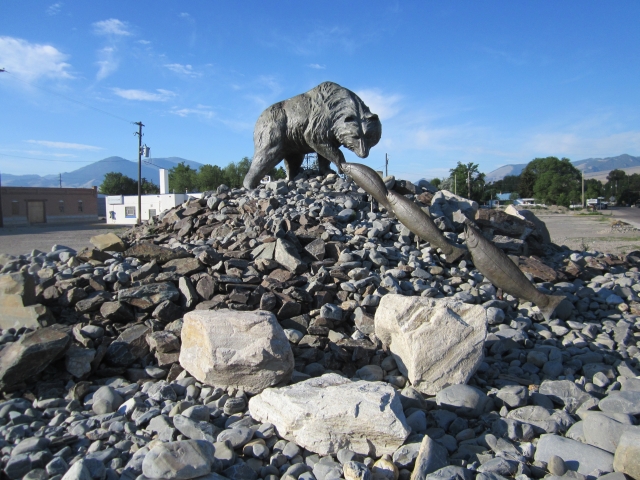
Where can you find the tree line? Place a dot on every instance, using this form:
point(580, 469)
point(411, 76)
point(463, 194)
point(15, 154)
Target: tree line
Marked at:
point(549, 180)
point(183, 178)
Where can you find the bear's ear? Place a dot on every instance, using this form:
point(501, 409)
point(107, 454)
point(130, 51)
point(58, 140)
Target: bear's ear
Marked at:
point(372, 117)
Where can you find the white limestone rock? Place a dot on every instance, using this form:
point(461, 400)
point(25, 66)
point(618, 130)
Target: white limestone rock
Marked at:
point(228, 348)
point(328, 413)
point(435, 342)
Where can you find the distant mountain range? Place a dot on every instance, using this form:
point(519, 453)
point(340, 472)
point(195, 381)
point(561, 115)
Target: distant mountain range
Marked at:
point(93, 174)
point(592, 167)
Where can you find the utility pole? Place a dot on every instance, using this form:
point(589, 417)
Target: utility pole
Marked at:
point(1, 216)
point(386, 164)
point(583, 189)
point(139, 134)
point(60, 178)
point(469, 184)
point(455, 184)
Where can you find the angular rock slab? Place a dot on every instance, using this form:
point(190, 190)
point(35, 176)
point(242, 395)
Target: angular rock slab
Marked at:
point(18, 307)
point(30, 355)
point(331, 412)
point(225, 348)
point(435, 342)
point(108, 242)
point(180, 460)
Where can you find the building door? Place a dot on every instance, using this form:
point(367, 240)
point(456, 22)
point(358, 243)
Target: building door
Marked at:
point(35, 211)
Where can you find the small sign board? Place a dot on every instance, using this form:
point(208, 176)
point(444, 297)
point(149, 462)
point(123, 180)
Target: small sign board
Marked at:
point(115, 200)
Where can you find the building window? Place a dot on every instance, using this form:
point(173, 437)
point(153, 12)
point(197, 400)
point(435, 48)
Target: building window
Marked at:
point(129, 211)
point(80, 206)
point(61, 206)
point(15, 207)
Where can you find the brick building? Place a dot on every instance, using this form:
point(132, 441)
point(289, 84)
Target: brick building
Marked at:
point(33, 205)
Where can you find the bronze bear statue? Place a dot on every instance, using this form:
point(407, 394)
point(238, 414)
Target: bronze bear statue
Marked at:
point(320, 120)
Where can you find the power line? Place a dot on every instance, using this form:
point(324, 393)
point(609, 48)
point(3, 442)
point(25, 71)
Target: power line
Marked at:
point(2, 70)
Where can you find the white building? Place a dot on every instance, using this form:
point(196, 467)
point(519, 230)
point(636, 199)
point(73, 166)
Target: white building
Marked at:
point(123, 209)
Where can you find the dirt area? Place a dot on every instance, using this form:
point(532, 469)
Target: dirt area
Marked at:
point(21, 240)
point(603, 232)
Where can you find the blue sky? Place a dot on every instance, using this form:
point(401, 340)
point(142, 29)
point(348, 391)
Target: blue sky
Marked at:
point(492, 82)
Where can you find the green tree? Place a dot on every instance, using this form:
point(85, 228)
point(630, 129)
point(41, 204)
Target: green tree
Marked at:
point(278, 173)
point(527, 182)
point(148, 187)
point(435, 182)
point(461, 173)
point(183, 178)
point(209, 177)
point(115, 183)
point(556, 181)
point(514, 196)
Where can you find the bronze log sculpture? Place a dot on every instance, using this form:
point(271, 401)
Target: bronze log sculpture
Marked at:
point(329, 116)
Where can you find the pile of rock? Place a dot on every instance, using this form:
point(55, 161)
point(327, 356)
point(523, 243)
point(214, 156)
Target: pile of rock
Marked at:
point(297, 332)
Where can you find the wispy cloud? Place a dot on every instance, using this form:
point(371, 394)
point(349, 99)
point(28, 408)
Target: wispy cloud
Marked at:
point(54, 9)
point(186, 70)
point(316, 66)
point(202, 111)
point(321, 39)
point(184, 15)
point(64, 145)
point(108, 62)
point(144, 42)
point(32, 60)
point(112, 26)
point(385, 105)
point(115, 31)
point(160, 95)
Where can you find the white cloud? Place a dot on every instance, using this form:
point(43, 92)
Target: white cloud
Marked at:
point(182, 69)
point(54, 8)
point(202, 111)
point(32, 60)
point(184, 15)
point(108, 62)
point(112, 26)
point(317, 66)
point(132, 94)
point(144, 42)
point(583, 144)
point(384, 105)
point(64, 145)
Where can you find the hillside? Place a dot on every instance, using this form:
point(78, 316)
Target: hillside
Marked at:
point(592, 167)
point(94, 173)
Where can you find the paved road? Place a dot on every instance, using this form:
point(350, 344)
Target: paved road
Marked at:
point(625, 214)
point(21, 240)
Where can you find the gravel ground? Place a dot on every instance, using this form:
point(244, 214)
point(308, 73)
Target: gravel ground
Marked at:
point(21, 240)
point(591, 232)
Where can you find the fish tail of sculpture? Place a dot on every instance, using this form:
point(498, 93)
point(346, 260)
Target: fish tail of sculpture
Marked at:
point(550, 307)
point(455, 254)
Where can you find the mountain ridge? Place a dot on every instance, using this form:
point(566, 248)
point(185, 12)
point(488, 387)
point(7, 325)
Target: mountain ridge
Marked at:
point(93, 174)
point(592, 167)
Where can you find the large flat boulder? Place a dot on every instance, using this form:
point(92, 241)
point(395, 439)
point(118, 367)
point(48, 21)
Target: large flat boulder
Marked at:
point(577, 456)
point(30, 355)
point(108, 242)
point(226, 348)
point(150, 251)
point(435, 342)
point(331, 412)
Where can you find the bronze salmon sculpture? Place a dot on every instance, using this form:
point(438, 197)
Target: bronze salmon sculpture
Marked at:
point(367, 179)
point(498, 268)
point(412, 216)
